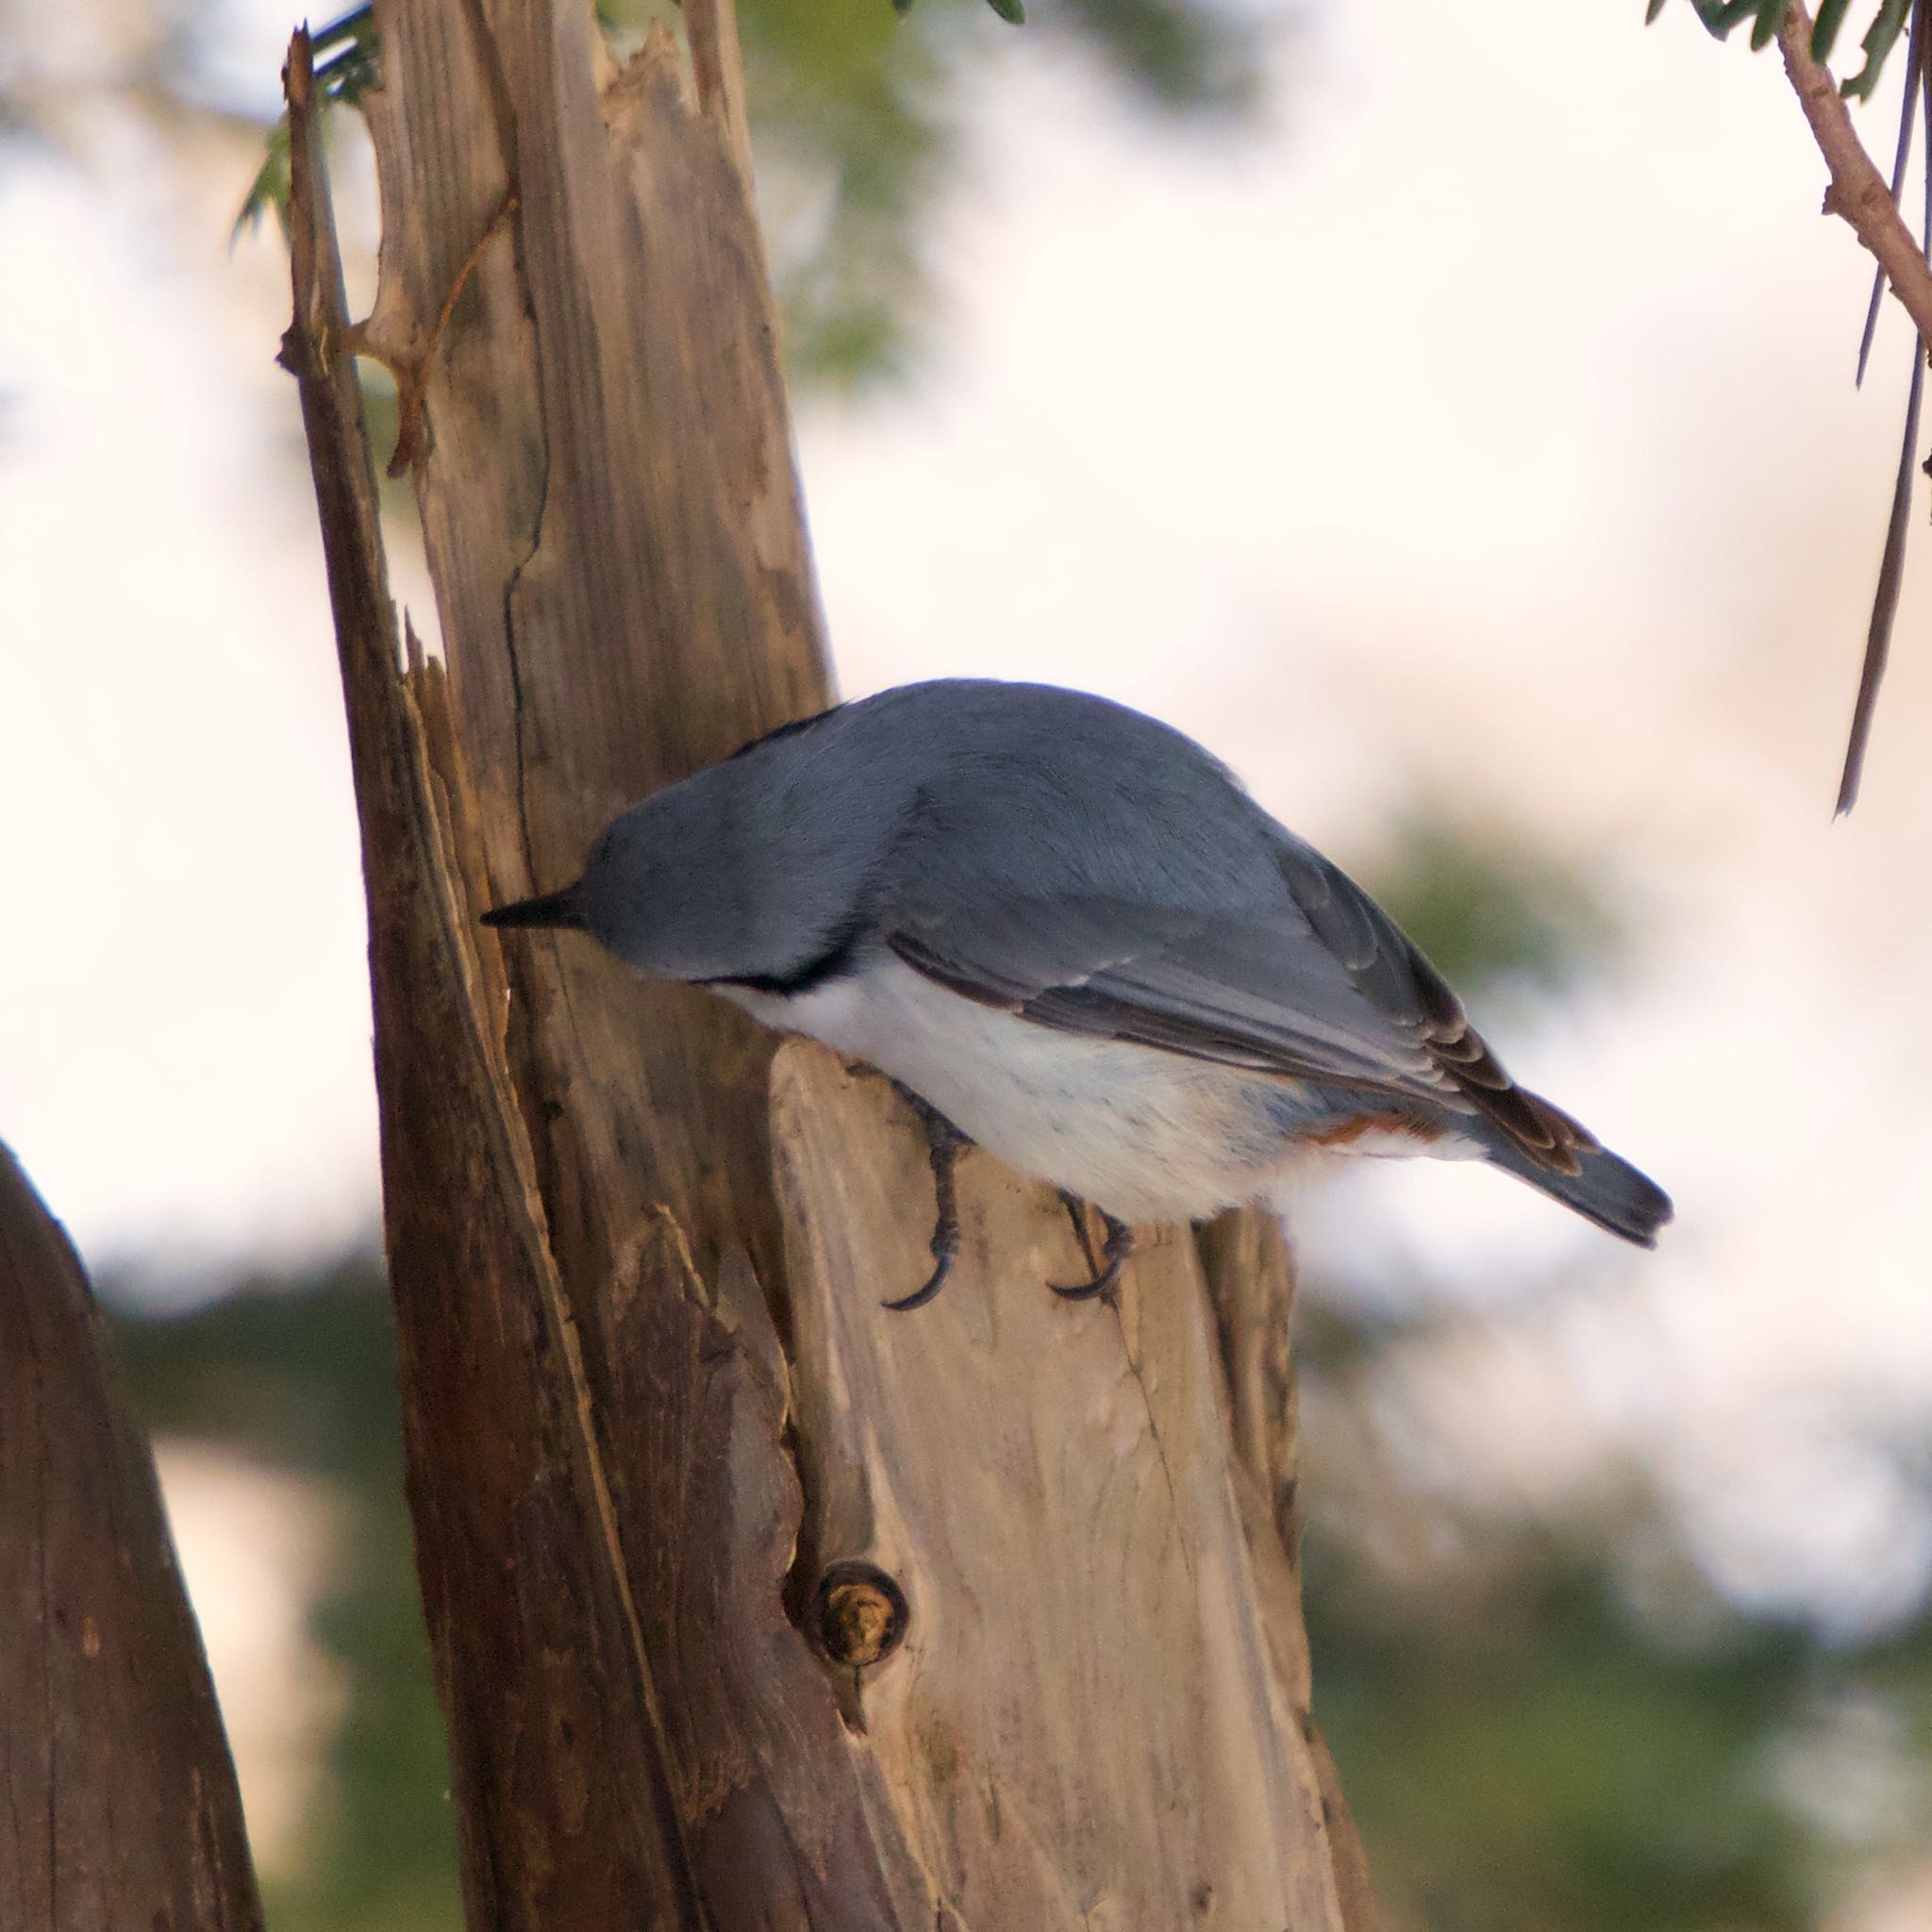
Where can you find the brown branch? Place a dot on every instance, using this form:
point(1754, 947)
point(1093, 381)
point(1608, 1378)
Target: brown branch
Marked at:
point(1858, 191)
point(1870, 204)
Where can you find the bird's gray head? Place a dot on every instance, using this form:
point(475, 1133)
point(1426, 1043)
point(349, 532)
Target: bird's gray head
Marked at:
point(719, 877)
point(663, 886)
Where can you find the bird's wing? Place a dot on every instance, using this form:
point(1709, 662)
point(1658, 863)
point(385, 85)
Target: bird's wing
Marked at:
point(1317, 983)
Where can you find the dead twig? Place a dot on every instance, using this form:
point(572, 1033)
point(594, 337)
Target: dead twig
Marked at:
point(412, 379)
point(1858, 191)
point(1862, 196)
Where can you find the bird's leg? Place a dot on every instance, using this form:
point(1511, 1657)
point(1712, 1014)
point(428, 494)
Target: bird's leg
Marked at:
point(943, 1141)
point(1113, 1255)
point(1076, 1213)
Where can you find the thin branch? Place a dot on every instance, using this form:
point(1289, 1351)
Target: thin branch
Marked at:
point(1908, 115)
point(1891, 564)
point(1861, 195)
point(1858, 191)
point(1885, 600)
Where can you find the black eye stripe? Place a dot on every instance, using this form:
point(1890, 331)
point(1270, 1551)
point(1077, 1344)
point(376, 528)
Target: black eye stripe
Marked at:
point(832, 959)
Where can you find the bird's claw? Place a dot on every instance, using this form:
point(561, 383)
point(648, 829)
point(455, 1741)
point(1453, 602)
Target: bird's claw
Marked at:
point(943, 1141)
point(945, 1248)
point(1113, 1255)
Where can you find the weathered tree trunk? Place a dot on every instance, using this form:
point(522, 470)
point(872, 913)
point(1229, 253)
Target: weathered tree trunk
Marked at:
point(118, 1806)
point(752, 1605)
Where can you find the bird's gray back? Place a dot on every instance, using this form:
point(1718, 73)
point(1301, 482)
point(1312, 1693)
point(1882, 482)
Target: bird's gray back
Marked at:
point(1028, 789)
point(1026, 842)
point(1094, 869)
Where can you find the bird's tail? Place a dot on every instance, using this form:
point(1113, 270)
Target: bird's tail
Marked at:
point(1605, 1189)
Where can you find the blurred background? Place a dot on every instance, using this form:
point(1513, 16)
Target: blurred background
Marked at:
point(1444, 413)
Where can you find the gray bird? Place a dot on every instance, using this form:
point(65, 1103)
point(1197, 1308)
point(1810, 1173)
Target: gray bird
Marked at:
point(1072, 937)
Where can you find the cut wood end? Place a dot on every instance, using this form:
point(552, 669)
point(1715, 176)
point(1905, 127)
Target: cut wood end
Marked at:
point(859, 1621)
point(858, 1614)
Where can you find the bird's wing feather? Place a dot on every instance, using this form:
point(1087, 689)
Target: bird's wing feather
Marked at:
point(1315, 982)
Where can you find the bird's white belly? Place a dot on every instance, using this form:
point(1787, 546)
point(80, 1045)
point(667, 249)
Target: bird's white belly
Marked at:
point(1148, 1136)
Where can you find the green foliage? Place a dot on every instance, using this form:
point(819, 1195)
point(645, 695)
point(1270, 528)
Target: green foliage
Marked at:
point(1008, 10)
point(853, 112)
point(1181, 59)
point(1486, 904)
point(1527, 1757)
point(1721, 16)
point(854, 117)
point(1880, 37)
point(346, 67)
point(854, 140)
point(302, 1377)
point(1766, 16)
point(1825, 26)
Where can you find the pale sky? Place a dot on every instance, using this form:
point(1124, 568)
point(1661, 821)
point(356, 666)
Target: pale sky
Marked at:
point(1482, 431)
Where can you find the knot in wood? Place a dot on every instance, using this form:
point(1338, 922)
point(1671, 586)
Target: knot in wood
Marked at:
point(858, 1614)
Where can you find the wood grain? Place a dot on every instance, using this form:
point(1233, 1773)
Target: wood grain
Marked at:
point(1088, 1723)
point(615, 534)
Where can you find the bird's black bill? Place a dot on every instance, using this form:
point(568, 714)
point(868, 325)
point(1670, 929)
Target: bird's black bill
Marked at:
point(547, 909)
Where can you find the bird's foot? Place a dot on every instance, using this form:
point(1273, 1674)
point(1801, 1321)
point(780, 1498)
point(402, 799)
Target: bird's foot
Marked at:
point(943, 1141)
point(1113, 1253)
